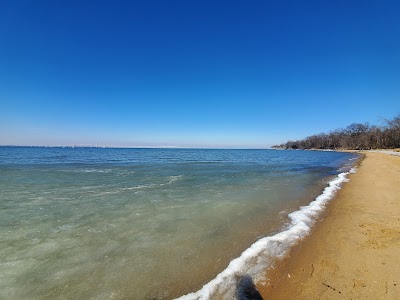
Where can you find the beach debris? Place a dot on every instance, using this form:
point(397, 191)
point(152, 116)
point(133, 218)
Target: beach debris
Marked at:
point(331, 287)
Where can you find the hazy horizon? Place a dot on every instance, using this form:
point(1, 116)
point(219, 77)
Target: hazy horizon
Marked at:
point(109, 146)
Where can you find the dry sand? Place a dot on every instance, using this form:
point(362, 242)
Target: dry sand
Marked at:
point(354, 252)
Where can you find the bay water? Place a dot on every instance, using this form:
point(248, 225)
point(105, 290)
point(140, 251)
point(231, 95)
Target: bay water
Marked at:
point(94, 223)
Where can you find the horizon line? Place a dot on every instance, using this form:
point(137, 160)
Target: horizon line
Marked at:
point(138, 147)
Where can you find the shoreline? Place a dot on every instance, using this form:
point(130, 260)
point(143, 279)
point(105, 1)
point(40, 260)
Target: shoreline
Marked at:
point(352, 251)
point(300, 223)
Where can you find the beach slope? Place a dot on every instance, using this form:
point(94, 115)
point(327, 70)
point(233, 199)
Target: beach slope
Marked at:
point(354, 252)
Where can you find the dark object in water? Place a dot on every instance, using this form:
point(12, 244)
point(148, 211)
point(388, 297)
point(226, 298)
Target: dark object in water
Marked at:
point(246, 290)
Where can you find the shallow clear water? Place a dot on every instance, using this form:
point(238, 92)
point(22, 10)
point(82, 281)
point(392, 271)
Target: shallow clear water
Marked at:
point(78, 223)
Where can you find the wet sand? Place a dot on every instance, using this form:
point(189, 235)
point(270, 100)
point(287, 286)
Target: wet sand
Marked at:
point(354, 251)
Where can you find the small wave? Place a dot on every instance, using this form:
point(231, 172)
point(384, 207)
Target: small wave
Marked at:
point(138, 187)
point(95, 171)
point(254, 260)
point(87, 170)
point(174, 178)
point(171, 179)
point(120, 190)
point(107, 192)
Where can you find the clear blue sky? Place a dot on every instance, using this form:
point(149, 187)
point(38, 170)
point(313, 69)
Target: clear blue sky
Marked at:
point(194, 73)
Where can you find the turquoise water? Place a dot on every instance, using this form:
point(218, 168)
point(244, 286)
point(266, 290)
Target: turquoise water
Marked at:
point(80, 223)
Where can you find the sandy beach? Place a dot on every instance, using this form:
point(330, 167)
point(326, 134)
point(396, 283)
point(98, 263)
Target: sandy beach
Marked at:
point(354, 251)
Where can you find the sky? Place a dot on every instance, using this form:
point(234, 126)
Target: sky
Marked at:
point(225, 74)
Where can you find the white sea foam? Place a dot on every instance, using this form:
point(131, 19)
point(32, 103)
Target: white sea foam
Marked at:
point(254, 260)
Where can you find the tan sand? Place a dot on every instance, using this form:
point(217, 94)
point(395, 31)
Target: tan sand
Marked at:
point(354, 252)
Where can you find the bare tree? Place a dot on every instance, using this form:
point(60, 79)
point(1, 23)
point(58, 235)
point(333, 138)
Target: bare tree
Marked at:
point(355, 136)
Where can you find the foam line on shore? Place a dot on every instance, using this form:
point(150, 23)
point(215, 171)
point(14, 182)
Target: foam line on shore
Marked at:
point(260, 255)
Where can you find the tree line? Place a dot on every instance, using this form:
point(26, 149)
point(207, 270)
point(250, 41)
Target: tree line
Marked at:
point(356, 136)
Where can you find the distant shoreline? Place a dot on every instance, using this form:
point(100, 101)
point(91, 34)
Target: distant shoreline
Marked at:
point(133, 147)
